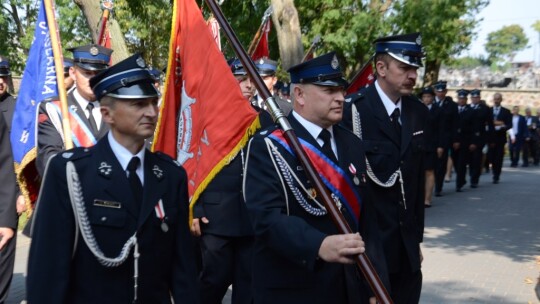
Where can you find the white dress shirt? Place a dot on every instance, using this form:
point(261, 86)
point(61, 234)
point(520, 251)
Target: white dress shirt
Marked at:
point(124, 156)
point(315, 130)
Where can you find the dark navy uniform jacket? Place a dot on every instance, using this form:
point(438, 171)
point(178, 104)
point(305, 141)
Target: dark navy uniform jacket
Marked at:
point(7, 107)
point(166, 264)
point(481, 124)
point(49, 139)
point(401, 223)
point(286, 267)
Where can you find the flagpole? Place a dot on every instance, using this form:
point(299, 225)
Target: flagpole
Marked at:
point(59, 66)
point(361, 260)
point(360, 72)
point(258, 35)
point(106, 6)
point(312, 47)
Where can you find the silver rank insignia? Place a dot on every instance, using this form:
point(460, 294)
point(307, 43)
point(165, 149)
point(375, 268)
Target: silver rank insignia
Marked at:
point(67, 155)
point(105, 169)
point(157, 172)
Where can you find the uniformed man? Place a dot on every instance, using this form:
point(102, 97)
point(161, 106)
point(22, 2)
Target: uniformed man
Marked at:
point(267, 69)
point(129, 240)
point(391, 124)
point(449, 117)
point(85, 116)
point(432, 134)
point(530, 147)
point(7, 101)
point(463, 140)
point(222, 222)
point(502, 122)
point(299, 255)
point(8, 213)
point(482, 128)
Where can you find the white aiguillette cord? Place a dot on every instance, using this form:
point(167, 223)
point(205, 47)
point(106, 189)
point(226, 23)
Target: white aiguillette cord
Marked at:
point(83, 224)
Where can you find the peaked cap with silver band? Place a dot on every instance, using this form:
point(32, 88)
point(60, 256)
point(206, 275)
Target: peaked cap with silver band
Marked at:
point(323, 70)
point(236, 67)
point(128, 79)
point(266, 67)
point(406, 48)
point(91, 57)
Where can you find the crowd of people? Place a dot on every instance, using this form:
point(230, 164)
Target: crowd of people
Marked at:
point(475, 136)
point(111, 224)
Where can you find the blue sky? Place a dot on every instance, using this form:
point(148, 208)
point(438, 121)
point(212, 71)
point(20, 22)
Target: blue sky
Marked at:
point(500, 13)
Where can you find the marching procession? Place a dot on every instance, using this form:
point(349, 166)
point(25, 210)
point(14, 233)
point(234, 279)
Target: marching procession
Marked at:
point(286, 186)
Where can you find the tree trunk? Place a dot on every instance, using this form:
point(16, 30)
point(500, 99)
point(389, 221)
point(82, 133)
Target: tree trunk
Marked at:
point(287, 25)
point(432, 72)
point(92, 12)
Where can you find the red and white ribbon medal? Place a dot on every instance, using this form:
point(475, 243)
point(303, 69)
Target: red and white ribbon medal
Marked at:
point(160, 214)
point(352, 169)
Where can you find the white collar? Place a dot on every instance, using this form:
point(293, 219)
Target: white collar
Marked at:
point(83, 103)
point(389, 105)
point(312, 128)
point(124, 156)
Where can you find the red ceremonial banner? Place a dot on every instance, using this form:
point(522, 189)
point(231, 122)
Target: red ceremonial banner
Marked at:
point(262, 50)
point(363, 79)
point(204, 119)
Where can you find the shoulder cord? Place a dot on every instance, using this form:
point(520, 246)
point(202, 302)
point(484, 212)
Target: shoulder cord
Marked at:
point(82, 223)
point(357, 130)
point(288, 174)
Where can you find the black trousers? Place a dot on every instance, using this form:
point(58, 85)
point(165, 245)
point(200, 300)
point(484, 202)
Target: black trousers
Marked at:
point(475, 165)
point(515, 150)
point(226, 261)
point(7, 262)
point(406, 285)
point(440, 170)
point(461, 160)
point(497, 156)
point(530, 150)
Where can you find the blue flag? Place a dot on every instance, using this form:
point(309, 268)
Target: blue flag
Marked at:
point(38, 83)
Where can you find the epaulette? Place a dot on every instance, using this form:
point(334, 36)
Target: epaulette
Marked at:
point(266, 131)
point(354, 97)
point(167, 158)
point(75, 153)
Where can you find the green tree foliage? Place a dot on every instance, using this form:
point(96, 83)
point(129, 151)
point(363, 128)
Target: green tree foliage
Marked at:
point(447, 27)
point(467, 62)
point(505, 43)
point(18, 21)
point(346, 26)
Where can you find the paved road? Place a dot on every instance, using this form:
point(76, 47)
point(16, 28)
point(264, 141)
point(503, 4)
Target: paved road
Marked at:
point(480, 246)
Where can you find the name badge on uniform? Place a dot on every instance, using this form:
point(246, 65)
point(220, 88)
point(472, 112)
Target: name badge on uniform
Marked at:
point(107, 204)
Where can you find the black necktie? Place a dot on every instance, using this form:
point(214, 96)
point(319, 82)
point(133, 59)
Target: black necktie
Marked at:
point(327, 145)
point(395, 121)
point(134, 181)
point(460, 109)
point(91, 120)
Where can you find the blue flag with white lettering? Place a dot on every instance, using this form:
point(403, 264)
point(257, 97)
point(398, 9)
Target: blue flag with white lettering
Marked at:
point(38, 83)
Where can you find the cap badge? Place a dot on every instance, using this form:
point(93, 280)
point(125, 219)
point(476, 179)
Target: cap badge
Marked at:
point(419, 40)
point(140, 62)
point(335, 63)
point(94, 51)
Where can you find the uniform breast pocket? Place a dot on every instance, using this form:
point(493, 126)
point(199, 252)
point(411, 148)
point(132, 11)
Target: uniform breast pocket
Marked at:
point(112, 216)
point(418, 143)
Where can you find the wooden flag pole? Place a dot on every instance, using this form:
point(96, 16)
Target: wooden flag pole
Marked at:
point(59, 65)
